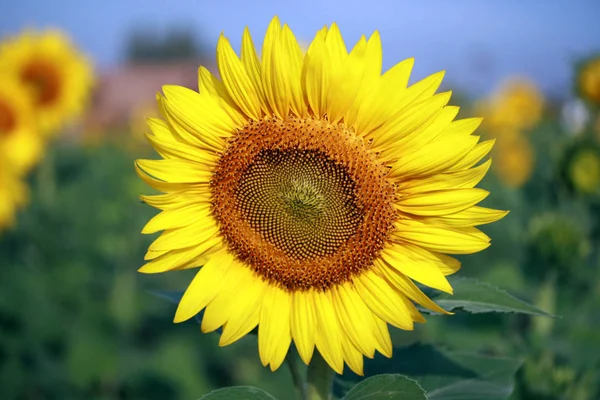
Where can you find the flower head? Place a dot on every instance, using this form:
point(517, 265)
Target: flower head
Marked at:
point(312, 190)
point(56, 75)
point(516, 105)
point(584, 170)
point(588, 80)
point(20, 144)
point(514, 160)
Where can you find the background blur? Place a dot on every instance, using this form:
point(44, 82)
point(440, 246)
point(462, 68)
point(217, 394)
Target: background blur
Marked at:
point(78, 322)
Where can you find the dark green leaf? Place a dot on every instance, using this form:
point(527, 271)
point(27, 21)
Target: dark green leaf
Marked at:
point(443, 375)
point(494, 381)
point(389, 386)
point(474, 296)
point(238, 393)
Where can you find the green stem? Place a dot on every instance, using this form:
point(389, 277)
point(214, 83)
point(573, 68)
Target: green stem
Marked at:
point(319, 378)
point(46, 179)
point(296, 375)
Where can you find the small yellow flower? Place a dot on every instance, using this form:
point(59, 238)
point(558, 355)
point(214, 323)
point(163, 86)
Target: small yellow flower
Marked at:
point(20, 142)
point(517, 105)
point(588, 81)
point(584, 171)
point(313, 190)
point(513, 160)
point(57, 76)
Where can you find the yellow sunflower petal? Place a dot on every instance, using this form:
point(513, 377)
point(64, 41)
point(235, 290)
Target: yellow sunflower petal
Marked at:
point(346, 82)
point(440, 202)
point(245, 316)
point(253, 68)
point(435, 157)
point(177, 218)
point(415, 116)
point(210, 85)
point(316, 74)
point(303, 325)
point(440, 238)
point(204, 287)
point(466, 178)
point(447, 264)
point(206, 126)
point(420, 270)
point(236, 80)
point(168, 201)
point(371, 112)
point(273, 88)
point(329, 335)
point(475, 155)
point(177, 259)
point(383, 300)
point(356, 319)
point(169, 146)
point(407, 287)
point(199, 233)
point(274, 332)
point(224, 303)
point(175, 171)
point(353, 357)
point(472, 216)
point(462, 127)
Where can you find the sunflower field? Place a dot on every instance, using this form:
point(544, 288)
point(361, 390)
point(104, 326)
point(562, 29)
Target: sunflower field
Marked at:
point(297, 224)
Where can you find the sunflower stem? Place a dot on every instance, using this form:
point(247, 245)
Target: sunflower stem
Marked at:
point(297, 377)
point(46, 178)
point(319, 378)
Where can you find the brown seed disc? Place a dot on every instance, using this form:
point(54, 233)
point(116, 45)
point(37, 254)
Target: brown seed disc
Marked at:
point(302, 202)
point(44, 79)
point(8, 119)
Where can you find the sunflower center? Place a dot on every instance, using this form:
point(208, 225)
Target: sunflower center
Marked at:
point(298, 200)
point(8, 120)
point(44, 79)
point(302, 202)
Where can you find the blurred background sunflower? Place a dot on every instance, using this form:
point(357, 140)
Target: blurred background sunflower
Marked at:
point(55, 73)
point(77, 80)
point(21, 144)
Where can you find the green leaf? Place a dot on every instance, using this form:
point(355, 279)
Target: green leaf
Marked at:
point(388, 386)
point(443, 375)
point(476, 297)
point(238, 393)
point(494, 381)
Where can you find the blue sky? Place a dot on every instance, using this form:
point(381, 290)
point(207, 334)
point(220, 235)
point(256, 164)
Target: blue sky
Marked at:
point(478, 42)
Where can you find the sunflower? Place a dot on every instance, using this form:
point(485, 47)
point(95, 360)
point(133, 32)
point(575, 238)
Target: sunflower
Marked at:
point(517, 105)
point(57, 76)
point(20, 143)
point(312, 190)
point(588, 80)
point(584, 170)
point(514, 160)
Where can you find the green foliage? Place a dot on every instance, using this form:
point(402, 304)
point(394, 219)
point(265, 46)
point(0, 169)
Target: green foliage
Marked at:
point(476, 297)
point(238, 393)
point(387, 386)
point(443, 374)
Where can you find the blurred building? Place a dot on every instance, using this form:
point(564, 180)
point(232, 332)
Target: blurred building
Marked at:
point(121, 91)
